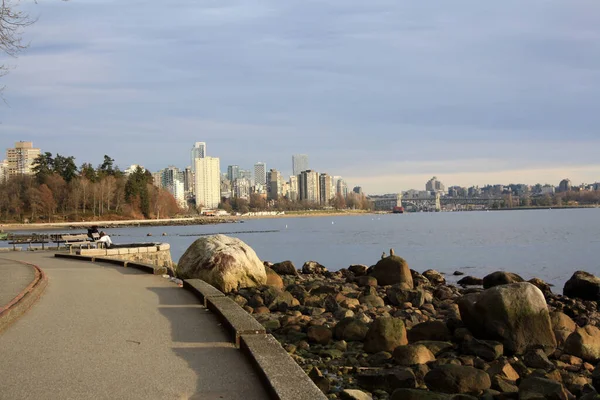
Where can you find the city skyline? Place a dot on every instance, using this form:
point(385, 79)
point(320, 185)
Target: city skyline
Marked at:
point(469, 92)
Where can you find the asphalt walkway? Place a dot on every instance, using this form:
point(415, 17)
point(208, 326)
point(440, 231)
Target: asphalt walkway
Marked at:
point(105, 332)
point(14, 277)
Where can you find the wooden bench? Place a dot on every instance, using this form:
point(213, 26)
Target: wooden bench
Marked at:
point(76, 241)
point(28, 239)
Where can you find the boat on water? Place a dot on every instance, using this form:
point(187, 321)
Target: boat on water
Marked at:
point(398, 210)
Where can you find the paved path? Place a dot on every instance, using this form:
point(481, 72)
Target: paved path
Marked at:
point(14, 277)
point(106, 332)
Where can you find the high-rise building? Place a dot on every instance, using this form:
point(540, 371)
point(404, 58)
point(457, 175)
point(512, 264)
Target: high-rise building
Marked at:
point(241, 188)
point(308, 185)
point(20, 159)
point(325, 192)
point(292, 194)
point(3, 171)
point(564, 185)
point(246, 174)
point(132, 168)
point(260, 174)
point(274, 184)
point(207, 183)
point(434, 185)
point(341, 187)
point(198, 151)
point(357, 190)
point(188, 180)
point(233, 172)
point(299, 163)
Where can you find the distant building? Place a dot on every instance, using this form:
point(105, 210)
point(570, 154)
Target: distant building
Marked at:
point(274, 184)
point(260, 173)
point(357, 190)
point(293, 194)
point(157, 179)
point(341, 187)
point(3, 171)
point(188, 181)
point(325, 189)
point(474, 191)
point(233, 172)
point(207, 188)
point(548, 189)
point(247, 174)
point(20, 158)
point(241, 188)
point(308, 185)
point(172, 180)
point(564, 185)
point(299, 163)
point(132, 168)
point(198, 151)
point(434, 185)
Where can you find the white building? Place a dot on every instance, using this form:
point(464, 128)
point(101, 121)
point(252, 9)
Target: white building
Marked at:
point(548, 189)
point(20, 158)
point(3, 171)
point(208, 182)
point(260, 173)
point(241, 188)
point(292, 193)
point(299, 163)
point(198, 151)
point(131, 169)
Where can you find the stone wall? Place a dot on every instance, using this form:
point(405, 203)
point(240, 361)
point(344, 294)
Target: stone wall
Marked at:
point(158, 255)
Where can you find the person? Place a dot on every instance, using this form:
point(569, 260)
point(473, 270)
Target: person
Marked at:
point(105, 239)
point(91, 231)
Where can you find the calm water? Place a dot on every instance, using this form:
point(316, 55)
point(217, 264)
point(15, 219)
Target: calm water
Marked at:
point(549, 244)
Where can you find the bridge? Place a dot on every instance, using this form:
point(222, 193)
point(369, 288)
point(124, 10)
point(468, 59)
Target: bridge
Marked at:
point(431, 203)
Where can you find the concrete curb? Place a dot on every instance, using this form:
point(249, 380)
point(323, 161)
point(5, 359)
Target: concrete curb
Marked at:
point(24, 300)
point(284, 378)
point(281, 375)
point(148, 268)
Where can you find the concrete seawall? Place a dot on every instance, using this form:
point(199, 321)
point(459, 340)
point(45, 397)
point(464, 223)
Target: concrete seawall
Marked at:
point(159, 254)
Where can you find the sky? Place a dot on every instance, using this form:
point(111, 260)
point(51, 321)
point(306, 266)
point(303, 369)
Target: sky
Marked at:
point(385, 93)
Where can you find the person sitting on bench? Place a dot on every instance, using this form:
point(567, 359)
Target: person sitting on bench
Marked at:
point(91, 231)
point(105, 239)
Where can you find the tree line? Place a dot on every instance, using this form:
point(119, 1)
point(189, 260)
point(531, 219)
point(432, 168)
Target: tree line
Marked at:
point(59, 190)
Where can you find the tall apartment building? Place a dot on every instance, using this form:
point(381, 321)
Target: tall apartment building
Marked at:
point(308, 185)
point(299, 163)
point(325, 192)
point(198, 151)
point(188, 180)
point(434, 185)
point(260, 173)
point(274, 184)
point(233, 172)
point(293, 194)
point(208, 182)
point(246, 174)
point(20, 158)
point(3, 170)
point(241, 188)
point(341, 187)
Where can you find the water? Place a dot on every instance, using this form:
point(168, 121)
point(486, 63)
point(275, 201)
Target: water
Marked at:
point(549, 244)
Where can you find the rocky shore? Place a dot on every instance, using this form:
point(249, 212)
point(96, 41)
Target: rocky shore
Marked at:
point(388, 332)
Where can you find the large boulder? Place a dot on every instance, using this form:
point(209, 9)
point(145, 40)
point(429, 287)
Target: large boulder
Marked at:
point(429, 330)
point(515, 314)
point(434, 277)
point(534, 388)
point(225, 262)
point(273, 279)
point(392, 270)
point(500, 278)
point(583, 285)
point(584, 343)
point(412, 354)
point(350, 329)
point(385, 334)
point(284, 268)
point(313, 267)
point(457, 379)
point(387, 379)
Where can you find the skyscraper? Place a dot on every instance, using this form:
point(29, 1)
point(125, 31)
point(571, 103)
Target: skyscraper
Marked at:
point(299, 163)
point(434, 185)
point(274, 186)
point(20, 158)
point(198, 151)
point(208, 182)
point(233, 172)
point(260, 173)
point(325, 192)
point(308, 186)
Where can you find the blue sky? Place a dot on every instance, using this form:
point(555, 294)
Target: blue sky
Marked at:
point(385, 93)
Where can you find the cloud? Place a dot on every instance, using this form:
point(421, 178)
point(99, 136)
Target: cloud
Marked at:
point(367, 89)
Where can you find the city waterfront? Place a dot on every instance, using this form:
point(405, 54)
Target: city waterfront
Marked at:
point(549, 244)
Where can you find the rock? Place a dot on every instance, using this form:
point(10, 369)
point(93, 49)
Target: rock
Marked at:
point(319, 334)
point(434, 277)
point(488, 350)
point(273, 279)
point(285, 268)
point(561, 321)
point(320, 381)
point(387, 380)
point(582, 285)
point(313, 267)
point(280, 300)
point(385, 334)
point(412, 354)
point(457, 379)
point(504, 385)
point(397, 296)
point(342, 313)
point(596, 378)
point(584, 343)
point(350, 329)
point(515, 314)
point(380, 359)
point(536, 358)
point(504, 369)
point(541, 388)
point(371, 301)
point(392, 270)
point(470, 281)
point(436, 347)
point(540, 284)
point(354, 394)
point(363, 281)
point(458, 273)
point(430, 330)
point(358, 269)
point(500, 278)
point(416, 394)
point(226, 263)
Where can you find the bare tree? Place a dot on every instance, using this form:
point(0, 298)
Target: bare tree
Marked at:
point(12, 23)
